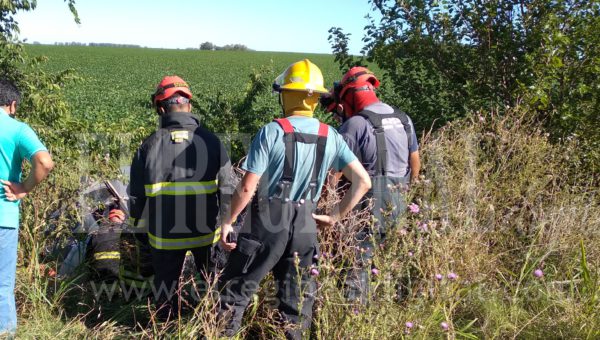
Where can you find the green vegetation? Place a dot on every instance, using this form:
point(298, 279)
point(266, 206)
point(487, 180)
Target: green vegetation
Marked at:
point(446, 59)
point(497, 207)
point(111, 95)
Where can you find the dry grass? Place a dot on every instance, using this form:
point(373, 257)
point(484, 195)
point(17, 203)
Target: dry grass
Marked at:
point(498, 204)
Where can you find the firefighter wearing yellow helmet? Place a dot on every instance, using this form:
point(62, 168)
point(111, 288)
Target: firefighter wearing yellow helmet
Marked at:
point(288, 162)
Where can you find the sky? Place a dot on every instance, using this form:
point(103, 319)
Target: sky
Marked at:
point(264, 25)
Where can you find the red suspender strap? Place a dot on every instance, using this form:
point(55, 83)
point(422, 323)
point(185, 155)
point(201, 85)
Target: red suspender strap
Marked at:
point(285, 125)
point(323, 130)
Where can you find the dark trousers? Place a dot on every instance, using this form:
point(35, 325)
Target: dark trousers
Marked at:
point(280, 237)
point(167, 269)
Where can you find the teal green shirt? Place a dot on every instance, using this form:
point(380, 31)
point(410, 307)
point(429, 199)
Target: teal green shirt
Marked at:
point(17, 142)
point(267, 154)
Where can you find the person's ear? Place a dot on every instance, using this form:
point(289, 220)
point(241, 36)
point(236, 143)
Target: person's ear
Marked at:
point(160, 110)
point(13, 108)
point(339, 108)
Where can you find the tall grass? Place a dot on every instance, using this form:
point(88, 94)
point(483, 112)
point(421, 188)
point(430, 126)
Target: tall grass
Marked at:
point(497, 202)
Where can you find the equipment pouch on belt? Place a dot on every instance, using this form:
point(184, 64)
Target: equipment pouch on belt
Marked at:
point(248, 247)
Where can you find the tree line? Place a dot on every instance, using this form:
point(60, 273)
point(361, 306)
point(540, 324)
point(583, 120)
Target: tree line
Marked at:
point(205, 46)
point(208, 46)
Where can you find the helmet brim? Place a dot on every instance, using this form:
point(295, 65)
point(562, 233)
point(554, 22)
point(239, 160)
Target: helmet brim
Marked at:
point(304, 88)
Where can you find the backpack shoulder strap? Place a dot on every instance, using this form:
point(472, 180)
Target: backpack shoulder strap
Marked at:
point(285, 125)
point(377, 121)
point(374, 118)
point(290, 154)
point(320, 155)
point(407, 126)
point(323, 130)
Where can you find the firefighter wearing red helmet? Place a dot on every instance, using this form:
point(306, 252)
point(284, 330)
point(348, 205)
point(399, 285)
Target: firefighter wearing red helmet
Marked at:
point(288, 162)
point(180, 179)
point(384, 139)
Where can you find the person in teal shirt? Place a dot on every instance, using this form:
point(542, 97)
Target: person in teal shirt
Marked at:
point(17, 143)
point(288, 161)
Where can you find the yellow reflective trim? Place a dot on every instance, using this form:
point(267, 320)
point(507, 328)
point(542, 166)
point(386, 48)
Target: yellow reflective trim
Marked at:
point(182, 192)
point(141, 223)
point(181, 188)
point(178, 184)
point(107, 255)
point(184, 243)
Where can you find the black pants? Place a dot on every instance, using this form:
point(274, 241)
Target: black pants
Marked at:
point(280, 237)
point(167, 269)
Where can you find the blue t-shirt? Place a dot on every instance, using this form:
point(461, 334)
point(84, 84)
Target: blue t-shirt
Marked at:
point(17, 142)
point(267, 155)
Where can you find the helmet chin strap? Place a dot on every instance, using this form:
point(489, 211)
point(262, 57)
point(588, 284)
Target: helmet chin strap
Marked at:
point(281, 103)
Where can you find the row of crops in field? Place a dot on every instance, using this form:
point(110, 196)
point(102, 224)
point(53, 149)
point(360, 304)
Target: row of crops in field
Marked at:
point(116, 83)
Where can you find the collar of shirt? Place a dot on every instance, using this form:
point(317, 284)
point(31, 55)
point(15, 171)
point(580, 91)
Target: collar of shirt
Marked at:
point(174, 119)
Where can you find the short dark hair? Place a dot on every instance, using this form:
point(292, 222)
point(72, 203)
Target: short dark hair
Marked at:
point(173, 103)
point(8, 93)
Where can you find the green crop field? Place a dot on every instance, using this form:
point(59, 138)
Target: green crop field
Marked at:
point(117, 82)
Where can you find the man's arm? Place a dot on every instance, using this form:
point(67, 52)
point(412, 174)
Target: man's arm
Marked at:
point(226, 186)
point(414, 159)
point(415, 166)
point(241, 197)
point(42, 164)
point(137, 191)
point(360, 184)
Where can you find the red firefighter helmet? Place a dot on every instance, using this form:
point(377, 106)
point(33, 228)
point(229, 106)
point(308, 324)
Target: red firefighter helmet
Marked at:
point(169, 86)
point(355, 77)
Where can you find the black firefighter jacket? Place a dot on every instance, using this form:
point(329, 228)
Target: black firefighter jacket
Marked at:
point(180, 179)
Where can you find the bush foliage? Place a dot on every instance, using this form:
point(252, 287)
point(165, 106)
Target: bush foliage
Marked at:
point(444, 59)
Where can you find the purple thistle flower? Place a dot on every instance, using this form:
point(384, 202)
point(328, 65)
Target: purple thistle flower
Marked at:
point(439, 277)
point(538, 273)
point(410, 254)
point(444, 326)
point(413, 208)
point(452, 276)
point(355, 311)
point(375, 271)
point(409, 325)
point(314, 271)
